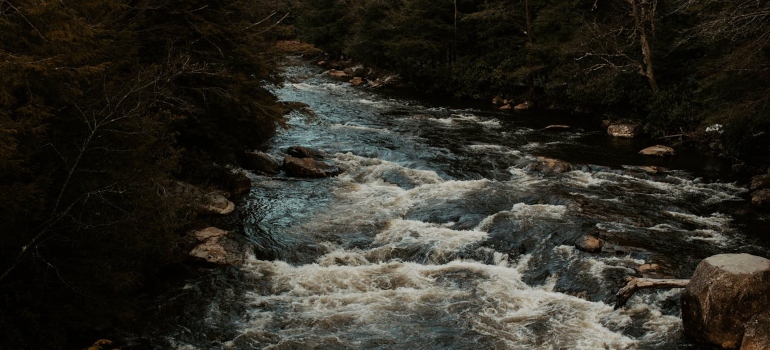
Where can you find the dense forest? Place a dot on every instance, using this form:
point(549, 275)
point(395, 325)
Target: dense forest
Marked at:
point(105, 104)
point(676, 66)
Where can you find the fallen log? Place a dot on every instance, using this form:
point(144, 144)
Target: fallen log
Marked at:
point(635, 284)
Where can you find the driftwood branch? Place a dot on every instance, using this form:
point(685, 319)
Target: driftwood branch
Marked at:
point(635, 284)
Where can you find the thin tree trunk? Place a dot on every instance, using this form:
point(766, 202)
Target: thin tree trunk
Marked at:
point(641, 16)
point(530, 78)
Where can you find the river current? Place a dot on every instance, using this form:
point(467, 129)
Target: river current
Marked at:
point(441, 234)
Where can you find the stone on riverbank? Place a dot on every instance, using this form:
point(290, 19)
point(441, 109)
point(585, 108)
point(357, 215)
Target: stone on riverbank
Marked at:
point(627, 131)
point(658, 151)
point(524, 106)
point(260, 162)
point(217, 247)
point(725, 293)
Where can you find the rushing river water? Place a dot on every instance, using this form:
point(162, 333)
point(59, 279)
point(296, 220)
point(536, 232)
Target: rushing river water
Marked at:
point(441, 234)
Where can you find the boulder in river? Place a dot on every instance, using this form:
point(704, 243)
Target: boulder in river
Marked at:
point(304, 152)
point(549, 165)
point(260, 162)
point(217, 247)
point(657, 151)
point(309, 167)
point(625, 130)
point(589, 244)
point(357, 81)
point(724, 294)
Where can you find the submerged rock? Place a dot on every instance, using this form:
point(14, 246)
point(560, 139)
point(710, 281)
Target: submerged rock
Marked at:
point(657, 151)
point(304, 152)
point(309, 167)
point(725, 293)
point(217, 247)
point(623, 130)
point(549, 165)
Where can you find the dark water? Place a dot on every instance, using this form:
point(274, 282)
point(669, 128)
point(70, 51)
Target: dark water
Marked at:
point(441, 234)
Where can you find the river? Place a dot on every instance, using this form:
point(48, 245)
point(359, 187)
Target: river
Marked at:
point(441, 234)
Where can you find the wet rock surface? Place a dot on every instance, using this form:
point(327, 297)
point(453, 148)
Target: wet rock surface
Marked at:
point(260, 162)
point(658, 151)
point(217, 247)
point(725, 293)
point(623, 130)
point(309, 168)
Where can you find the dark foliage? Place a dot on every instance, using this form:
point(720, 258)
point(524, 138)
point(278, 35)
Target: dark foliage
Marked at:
point(102, 105)
point(678, 66)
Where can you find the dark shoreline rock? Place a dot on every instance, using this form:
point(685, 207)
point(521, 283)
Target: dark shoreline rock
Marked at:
point(724, 294)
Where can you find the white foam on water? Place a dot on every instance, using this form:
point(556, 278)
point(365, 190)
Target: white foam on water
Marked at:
point(538, 211)
point(708, 236)
point(584, 179)
point(304, 304)
point(491, 124)
point(436, 241)
point(526, 213)
point(647, 304)
point(489, 148)
point(371, 170)
point(715, 220)
point(672, 186)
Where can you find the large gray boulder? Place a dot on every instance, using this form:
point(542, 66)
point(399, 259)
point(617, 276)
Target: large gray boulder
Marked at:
point(309, 167)
point(217, 247)
point(724, 294)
